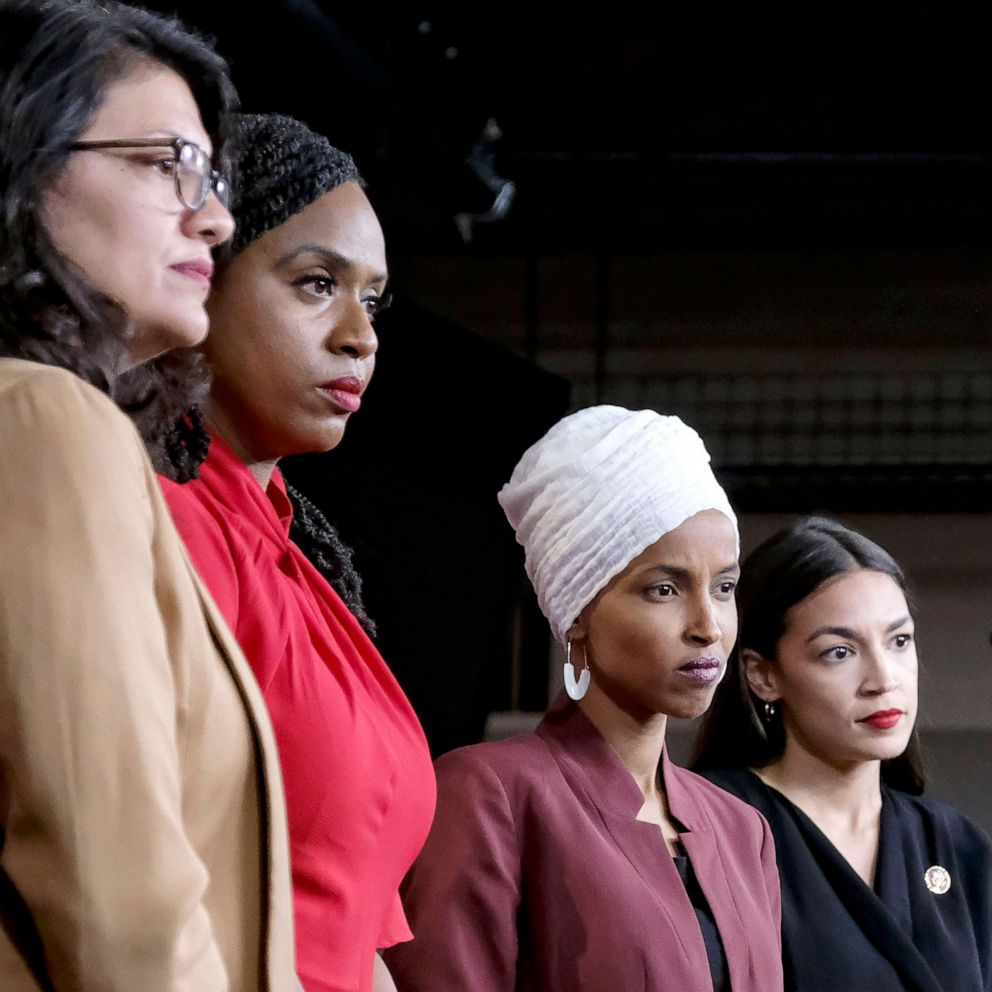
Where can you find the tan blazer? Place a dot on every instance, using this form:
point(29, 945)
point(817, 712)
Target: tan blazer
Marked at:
point(139, 782)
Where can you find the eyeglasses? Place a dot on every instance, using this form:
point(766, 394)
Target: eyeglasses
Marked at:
point(194, 176)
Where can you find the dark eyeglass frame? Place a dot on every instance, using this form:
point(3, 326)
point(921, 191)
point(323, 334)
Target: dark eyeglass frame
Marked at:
point(212, 180)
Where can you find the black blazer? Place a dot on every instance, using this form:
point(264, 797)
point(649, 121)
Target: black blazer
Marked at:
point(900, 936)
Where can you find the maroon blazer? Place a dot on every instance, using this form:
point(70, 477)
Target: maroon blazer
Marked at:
point(538, 877)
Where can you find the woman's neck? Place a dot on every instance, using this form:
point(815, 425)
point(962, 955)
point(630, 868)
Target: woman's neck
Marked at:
point(849, 796)
point(638, 742)
point(260, 468)
point(845, 803)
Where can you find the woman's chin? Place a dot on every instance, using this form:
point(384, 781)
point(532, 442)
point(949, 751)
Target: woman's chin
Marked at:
point(154, 338)
point(317, 441)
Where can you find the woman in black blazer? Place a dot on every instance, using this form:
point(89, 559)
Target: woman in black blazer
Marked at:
point(814, 726)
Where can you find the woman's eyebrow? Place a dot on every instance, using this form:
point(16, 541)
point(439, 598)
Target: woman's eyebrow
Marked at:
point(836, 631)
point(673, 570)
point(678, 572)
point(851, 634)
point(329, 256)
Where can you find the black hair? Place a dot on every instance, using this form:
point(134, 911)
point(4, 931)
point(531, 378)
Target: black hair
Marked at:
point(281, 167)
point(778, 575)
point(57, 58)
point(321, 543)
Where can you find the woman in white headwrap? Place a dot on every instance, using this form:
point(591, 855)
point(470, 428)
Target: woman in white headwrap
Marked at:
point(578, 858)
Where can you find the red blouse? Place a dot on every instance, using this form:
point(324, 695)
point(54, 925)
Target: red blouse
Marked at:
point(359, 784)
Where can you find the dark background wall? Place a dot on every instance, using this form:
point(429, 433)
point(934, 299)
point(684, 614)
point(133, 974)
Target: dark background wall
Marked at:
point(776, 227)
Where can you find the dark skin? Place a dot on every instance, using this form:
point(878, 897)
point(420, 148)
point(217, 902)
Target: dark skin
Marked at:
point(673, 603)
point(291, 313)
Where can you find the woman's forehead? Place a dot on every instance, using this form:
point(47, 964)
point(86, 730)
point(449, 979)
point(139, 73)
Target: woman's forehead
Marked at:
point(150, 99)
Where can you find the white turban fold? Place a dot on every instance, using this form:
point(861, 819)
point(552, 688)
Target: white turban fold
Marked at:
point(598, 489)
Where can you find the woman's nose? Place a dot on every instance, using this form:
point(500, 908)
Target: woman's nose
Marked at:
point(212, 223)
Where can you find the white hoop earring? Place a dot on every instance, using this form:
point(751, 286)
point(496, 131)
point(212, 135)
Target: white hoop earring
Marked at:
point(576, 688)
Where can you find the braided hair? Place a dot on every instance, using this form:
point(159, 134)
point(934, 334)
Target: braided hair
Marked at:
point(321, 543)
point(279, 167)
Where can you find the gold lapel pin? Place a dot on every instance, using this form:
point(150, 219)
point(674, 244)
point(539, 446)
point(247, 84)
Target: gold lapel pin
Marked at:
point(938, 879)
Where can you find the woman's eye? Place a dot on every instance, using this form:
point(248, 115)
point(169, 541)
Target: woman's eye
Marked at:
point(664, 591)
point(727, 588)
point(316, 285)
point(374, 305)
point(837, 653)
point(167, 166)
point(902, 640)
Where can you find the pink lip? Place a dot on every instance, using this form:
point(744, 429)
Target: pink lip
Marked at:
point(701, 670)
point(345, 393)
point(199, 269)
point(883, 719)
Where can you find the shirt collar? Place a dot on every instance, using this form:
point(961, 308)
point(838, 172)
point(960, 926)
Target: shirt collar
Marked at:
point(231, 481)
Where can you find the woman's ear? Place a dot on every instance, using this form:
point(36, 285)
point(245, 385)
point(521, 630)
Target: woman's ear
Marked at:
point(579, 630)
point(761, 675)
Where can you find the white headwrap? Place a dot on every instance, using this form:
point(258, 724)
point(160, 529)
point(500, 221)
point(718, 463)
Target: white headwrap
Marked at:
point(601, 486)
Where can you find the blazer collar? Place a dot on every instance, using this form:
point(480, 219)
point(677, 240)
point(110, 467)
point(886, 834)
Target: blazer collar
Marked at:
point(229, 480)
point(590, 762)
point(582, 748)
point(583, 753)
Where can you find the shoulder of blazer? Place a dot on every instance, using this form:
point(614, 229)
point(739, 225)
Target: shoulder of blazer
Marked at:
point(515, 762)
point(49, 398)
point(930, 815)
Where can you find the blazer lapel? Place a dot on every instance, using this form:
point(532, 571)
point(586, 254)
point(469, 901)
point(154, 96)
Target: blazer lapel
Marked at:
point(591, 766)
point(277, 899)
point(644, 847)
point(887, 931)
point(703, 849)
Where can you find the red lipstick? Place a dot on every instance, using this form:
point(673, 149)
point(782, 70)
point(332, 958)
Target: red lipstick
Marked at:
point(883, 719)
point(345, 393)
point(200, 270)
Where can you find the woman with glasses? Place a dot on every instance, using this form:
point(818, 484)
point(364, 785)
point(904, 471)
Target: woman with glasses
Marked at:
point(143, 841)
point(814, 726)
point(292, 346)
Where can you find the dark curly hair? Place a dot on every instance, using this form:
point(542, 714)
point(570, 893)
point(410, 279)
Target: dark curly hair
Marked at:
point(57, 58)
point(779, 574)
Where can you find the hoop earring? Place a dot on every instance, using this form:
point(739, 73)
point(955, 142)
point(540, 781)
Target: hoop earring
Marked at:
point(576, 688)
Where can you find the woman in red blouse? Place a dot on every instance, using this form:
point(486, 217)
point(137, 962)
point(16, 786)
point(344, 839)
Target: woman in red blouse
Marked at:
point(292, 347)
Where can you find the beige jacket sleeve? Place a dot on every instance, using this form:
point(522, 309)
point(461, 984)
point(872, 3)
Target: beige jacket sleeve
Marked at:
point(91, 764)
